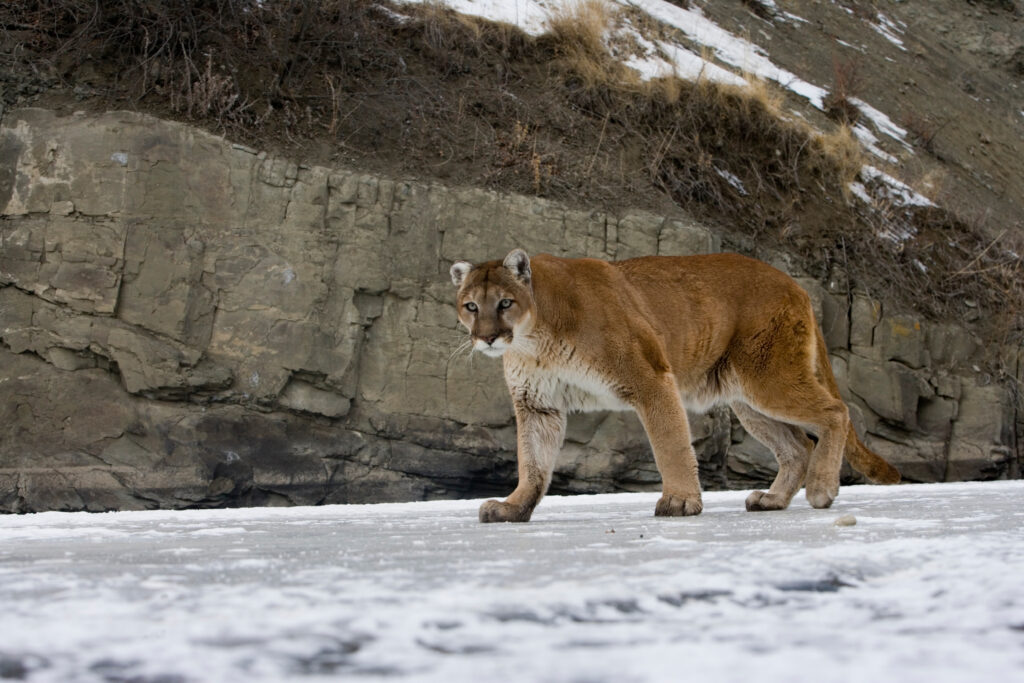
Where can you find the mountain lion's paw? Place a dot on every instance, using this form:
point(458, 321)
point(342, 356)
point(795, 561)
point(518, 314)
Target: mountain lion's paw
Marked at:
point(678, 506)
point(497, 511)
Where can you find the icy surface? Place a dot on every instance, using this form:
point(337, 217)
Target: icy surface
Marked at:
point(926, 586)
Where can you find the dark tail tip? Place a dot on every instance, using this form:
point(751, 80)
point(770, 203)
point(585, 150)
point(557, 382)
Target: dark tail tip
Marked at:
point(885, 475)
point(869, 463)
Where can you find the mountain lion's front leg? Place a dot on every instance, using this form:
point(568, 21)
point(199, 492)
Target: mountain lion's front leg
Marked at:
point(539, 433)
point(664, 418)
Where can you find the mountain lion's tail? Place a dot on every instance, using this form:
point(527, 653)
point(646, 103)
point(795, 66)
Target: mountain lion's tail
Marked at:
point(864, 460)
point(868, 463)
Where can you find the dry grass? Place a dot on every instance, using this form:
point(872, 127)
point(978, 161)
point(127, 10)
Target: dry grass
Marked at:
point(577, 32)
point(580, 27)
point(843, 154)
point(706, 144)
point(950, 268)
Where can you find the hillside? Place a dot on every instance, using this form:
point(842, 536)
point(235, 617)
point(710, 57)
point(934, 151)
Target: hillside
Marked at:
point(411, 90)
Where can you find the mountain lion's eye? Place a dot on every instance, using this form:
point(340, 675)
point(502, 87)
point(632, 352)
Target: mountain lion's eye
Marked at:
point(471, 307)
point(504, 303)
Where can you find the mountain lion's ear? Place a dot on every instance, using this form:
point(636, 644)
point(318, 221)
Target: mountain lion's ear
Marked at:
point(459, 271)
point(519, 263)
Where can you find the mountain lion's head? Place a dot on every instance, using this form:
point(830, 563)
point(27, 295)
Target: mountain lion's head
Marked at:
point(495, 300)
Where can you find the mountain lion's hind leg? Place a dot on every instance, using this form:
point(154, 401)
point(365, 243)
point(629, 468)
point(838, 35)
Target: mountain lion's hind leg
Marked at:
point(792, 449)
point(812, 407)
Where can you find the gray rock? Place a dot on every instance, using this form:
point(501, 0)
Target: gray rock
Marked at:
point(901, 338)
point(303, 396)
point(186, 322)
point(983, 434)
point(683, 238)
point(950, 345)
point(750, 464)
point(865, 314)
point(890, 389)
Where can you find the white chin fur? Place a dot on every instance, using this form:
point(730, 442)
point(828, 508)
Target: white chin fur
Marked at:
point(494, 351)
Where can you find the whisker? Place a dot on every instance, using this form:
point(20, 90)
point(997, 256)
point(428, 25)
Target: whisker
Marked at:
point(462, 347)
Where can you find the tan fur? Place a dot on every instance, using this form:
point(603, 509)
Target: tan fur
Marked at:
point(655, 334)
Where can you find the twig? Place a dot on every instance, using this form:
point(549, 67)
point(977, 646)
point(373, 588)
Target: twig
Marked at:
point(978, 257)
point(600, 139)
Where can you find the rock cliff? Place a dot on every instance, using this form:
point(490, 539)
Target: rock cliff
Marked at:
point(188, 322)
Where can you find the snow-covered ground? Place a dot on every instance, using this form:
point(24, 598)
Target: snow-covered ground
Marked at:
point(927, 586)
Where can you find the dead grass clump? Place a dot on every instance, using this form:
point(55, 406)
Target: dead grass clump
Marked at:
point(518, 149)
point(580, 26)
point(731, 148)
point(576, 32)
point(453, 42)
point(842, 153)
point(723, 149)
point(205, 92)
point(667, 90)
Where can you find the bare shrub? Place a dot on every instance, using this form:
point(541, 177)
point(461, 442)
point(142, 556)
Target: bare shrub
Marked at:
point(206, 93)
point(847, 84)
point(518, 150)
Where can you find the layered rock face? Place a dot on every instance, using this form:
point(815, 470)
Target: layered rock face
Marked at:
point(186, 322)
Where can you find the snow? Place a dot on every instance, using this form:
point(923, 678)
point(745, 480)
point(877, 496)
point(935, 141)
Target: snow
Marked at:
point(858, 48)
point(530, 15)
point(890, 30)
point(729, 48)
point(896, 191)
point(870, 142)
point(732, 179)
point(681, 62)
point(861, 192)
point(881, 122)
point(926, 586)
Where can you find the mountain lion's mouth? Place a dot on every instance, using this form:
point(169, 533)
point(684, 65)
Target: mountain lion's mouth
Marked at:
point(493, 349)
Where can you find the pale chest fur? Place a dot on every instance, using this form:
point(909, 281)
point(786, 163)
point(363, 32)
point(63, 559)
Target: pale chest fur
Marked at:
point(569, 386)
point(551, 374)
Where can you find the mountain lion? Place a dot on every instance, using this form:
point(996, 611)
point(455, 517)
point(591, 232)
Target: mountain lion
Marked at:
point(655, 334)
